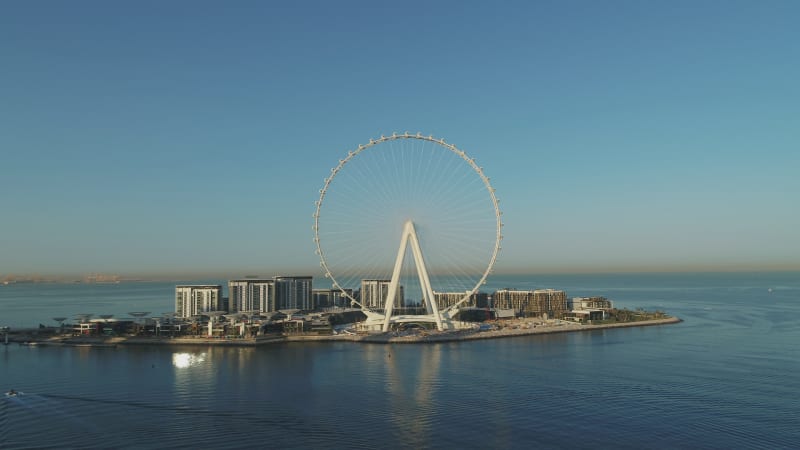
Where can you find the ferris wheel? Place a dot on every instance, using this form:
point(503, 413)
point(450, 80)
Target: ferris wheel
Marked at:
point(427, 196)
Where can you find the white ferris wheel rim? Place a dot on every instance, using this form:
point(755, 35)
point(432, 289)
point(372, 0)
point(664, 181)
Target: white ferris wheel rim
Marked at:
point(394, 137)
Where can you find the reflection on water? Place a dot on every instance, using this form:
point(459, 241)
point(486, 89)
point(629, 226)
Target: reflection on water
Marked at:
point(184, 360)
point(412, 379)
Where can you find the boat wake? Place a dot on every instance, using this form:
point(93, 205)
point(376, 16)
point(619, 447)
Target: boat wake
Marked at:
point(39, 406)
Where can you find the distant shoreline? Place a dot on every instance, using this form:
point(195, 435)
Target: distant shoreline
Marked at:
point(518, 328)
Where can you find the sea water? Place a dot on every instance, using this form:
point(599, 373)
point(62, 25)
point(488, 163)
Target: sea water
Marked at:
point(726, 377)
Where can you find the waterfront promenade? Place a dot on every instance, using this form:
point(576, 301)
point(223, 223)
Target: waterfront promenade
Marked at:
point(520, 327)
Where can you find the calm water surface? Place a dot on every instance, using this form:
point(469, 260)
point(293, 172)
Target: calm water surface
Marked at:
point(724, 378)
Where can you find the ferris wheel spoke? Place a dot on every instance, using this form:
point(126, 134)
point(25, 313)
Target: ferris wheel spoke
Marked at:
point(372, 196)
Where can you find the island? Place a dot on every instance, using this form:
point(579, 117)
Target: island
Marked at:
point(412, 334)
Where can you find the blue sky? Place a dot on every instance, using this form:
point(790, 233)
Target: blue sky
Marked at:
point(193, 137)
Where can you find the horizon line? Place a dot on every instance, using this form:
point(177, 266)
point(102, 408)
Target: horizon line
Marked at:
point(231, 275)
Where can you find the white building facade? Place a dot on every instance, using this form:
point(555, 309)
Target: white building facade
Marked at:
point(374, 293)
point(193, 300)
point(251, 295)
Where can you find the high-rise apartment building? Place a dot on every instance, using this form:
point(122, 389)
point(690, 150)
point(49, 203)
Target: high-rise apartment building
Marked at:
point(447, 299)
point(532, 303)
point(375, 292)
point(293, 293)
point(331, 298)
point(550, 301)
point(193, 300)
point(250, 294)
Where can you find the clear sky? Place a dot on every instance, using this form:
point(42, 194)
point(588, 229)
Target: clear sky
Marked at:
point(150, 137)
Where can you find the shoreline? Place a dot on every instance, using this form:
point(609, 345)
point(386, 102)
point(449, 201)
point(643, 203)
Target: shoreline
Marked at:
point(506, 333)
point(522, 328)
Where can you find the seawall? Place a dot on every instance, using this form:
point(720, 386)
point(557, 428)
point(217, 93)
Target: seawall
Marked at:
point(512, 329)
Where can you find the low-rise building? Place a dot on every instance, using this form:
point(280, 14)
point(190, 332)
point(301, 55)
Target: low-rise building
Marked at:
point(578, 303)
point(583, 309)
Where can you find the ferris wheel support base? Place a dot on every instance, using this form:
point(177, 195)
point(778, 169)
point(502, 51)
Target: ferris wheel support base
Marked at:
point(374, 322)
